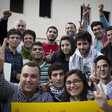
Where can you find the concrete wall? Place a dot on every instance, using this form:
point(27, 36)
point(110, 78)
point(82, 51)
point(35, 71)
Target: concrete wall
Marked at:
point(62, 11)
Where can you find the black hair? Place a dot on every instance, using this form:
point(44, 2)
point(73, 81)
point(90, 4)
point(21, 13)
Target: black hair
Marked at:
point(53, 28)
point(83, 35)
point(55, 66)
point(30, 32)
point(95, 23)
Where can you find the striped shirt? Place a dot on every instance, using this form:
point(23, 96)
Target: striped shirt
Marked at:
point(44, 72)
point(12, 93)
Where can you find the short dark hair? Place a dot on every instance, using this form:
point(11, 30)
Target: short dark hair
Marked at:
point(71, 23)
point(102, 57)
point(14, 31)
point(55, 66)
point(53, 28)
point(83, 35)
point(36, 43)
point(109, 28)
point(31, 64)
point(30, 32)
point(95, 23)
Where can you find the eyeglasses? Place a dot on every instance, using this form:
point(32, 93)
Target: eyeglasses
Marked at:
point(75, 82)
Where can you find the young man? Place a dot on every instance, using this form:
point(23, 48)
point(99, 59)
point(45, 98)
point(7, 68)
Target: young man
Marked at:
point(26, 91)
point(84, 55)
point(100, 38)
point(50, 45)
point(37, 53)
point(29, 37)
point(102, 66)
point(56, 76)
point(11, 54)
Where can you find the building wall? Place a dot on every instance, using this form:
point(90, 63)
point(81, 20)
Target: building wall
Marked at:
point(62, 11)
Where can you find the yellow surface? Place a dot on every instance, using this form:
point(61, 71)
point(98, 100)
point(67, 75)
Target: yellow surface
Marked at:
point(84, 106)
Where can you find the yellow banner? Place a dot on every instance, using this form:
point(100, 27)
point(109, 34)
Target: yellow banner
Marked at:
point(84, 106)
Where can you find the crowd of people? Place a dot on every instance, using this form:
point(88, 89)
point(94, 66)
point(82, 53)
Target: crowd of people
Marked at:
point(78, 69)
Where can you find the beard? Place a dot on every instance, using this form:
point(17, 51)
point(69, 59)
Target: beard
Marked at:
point(51, 40)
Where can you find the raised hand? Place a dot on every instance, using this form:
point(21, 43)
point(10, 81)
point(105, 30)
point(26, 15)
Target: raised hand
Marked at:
point(81, 27)
point(100, 9)
point(45, 86)
point(101, 99)
point(49, 56)
point(2, 54)
point(6, 14)
point(85, 11)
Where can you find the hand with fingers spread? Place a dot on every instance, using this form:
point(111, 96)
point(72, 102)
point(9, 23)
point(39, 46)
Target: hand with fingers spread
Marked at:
point(85, 11)
point(45, 86)
point(6, 14)
point(2, 54)
point(100, 9)
point(101, 99)
point(49, 56)
point(94, 77)
point(81, 27)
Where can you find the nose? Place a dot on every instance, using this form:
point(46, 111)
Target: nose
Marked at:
point(82, 46)
point(28, 79)
point(58, 77)
point(72, 85)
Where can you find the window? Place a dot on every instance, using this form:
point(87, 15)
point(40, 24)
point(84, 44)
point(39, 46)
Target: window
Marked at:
point(82, 14)
point(16, 6)
point(107, 14)
point(45, 8)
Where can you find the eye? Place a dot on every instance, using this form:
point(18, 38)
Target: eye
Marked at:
point(54, 75)
point(25, 75)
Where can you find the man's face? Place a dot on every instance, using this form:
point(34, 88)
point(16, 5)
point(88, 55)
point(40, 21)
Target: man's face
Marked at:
point(51, 34)
point(103, 69)
point(98, 32)
point(29, 79)
point(20, 26)
point(109, 35)
point(28, 41)
point(37, 52)
point(83, 47)
point(70, 30)
point(57, 78)
point(14, 40)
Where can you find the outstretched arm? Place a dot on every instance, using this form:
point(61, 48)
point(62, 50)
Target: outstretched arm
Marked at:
point(101, 99)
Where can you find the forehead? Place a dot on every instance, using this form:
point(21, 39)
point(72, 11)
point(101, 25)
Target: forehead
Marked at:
point(69, 25)
point(52, 29)
point(30, 70)
point(97, 26)
point(82, 41)
point(64, 41)
point(14, 35)
point(101, 62)
point(20, 23)
point(72, 77)
point(37, 46)
point(109, 32)
point(57, 71)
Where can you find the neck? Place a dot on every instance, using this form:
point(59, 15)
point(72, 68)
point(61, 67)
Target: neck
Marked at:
point(39, 62)
point(106, 81)
point(50, 43)
point(67, 57)
point(77, 98)
point(12, 49)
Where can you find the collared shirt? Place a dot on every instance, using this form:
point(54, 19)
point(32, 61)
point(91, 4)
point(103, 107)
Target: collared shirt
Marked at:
point(12, 93)
point(16, 63)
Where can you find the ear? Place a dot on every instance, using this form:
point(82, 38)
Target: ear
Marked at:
point(49, 78)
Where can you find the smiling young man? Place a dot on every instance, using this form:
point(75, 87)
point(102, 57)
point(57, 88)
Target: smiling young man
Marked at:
point(11, 54)
point(37, 53)
point(102, 64)
point(56, 76)
point(84, 56)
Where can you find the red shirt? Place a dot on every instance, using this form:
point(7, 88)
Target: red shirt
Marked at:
point(47, 48)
